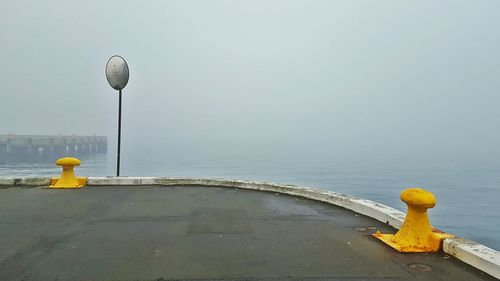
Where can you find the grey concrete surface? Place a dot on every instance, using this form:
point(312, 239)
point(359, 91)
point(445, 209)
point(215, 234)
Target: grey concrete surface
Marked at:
point(198, 233)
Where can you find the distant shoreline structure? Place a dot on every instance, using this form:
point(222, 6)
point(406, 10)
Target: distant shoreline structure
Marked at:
point(43, 148)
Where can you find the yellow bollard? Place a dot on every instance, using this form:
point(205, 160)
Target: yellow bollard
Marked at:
point(416, 233)
point(68, 179)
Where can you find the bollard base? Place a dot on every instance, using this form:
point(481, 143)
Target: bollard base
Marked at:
point(80, 182)
point(433, 244)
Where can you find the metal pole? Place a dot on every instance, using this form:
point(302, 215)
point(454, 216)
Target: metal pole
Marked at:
point(119, 134)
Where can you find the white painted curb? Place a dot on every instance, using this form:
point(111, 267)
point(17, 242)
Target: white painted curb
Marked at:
point(470, 252)
point(369, 208)
point(475, 254)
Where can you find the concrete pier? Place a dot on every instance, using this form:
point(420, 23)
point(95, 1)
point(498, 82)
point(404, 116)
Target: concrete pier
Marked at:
point(33, 148)
point(199, 233)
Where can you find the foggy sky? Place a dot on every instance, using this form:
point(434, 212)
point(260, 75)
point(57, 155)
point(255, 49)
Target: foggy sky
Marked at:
point(333, 79)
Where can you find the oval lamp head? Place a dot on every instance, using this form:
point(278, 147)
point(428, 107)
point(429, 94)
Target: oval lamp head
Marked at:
point(117, 72)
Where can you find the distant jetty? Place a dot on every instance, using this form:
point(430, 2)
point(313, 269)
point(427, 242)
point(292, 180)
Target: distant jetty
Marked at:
point(39, 148)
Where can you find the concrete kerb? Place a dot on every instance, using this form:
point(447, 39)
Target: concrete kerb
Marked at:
point(475, 254)
point(369, 208)
point(470, 252)
point(27, 181)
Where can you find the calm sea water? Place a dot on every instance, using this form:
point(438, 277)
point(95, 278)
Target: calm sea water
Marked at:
point(468, 198)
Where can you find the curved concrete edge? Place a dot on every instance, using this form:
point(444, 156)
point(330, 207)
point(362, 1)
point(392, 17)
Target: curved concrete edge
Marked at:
point(475, 254)
point(369, 208)
point(470, 252)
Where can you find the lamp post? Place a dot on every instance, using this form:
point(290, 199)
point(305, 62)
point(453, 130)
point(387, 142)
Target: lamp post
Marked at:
point(117, 75)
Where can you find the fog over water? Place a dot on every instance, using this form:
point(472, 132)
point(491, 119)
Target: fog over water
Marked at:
point(364, 97)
